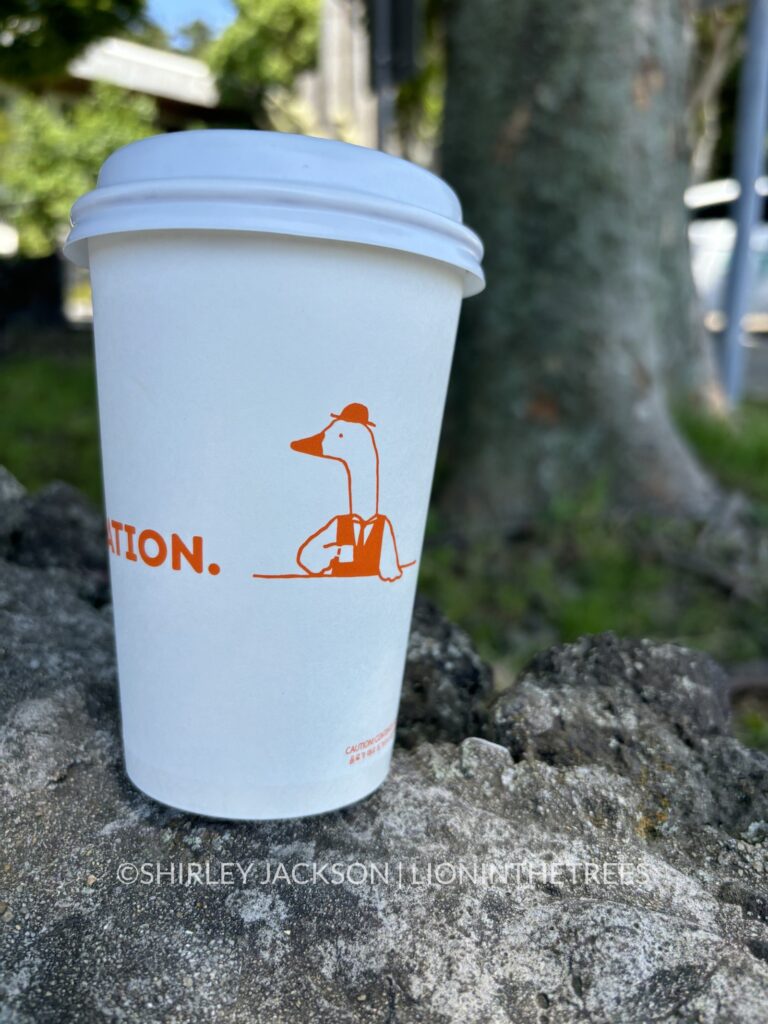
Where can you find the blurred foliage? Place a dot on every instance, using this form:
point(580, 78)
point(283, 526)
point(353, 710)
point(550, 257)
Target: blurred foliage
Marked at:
point(419, 107)
point(735, 449)
point(715, 71)
point(195, 37)
point(267, 45)
point(53, 150)
point(148, 33)
point(578, 571)
point(48, 422)
point(420, 99)
point(750, 720)
point(39, 37)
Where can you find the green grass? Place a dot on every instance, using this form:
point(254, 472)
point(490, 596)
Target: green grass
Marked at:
point(584, 576)
point(580, 572)
point(751, 726)
point(736, 450)
point(48, 421)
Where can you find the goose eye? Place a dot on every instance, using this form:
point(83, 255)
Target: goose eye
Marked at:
point(341, 435)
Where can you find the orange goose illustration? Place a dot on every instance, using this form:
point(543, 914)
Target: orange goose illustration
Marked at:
point(361, 541)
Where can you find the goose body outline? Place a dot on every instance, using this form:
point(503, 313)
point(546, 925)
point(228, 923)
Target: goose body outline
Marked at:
point(360, 541)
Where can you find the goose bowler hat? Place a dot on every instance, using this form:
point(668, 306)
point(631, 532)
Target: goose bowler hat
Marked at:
point(355, 412)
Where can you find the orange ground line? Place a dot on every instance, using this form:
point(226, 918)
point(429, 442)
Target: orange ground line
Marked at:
point(307, 576)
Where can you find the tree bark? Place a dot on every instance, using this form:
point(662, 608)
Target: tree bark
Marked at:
point(565, 139)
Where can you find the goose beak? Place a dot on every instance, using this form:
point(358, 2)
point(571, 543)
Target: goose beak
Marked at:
point(309, 445)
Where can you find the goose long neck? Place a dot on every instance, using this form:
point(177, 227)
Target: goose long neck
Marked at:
point(364, 484)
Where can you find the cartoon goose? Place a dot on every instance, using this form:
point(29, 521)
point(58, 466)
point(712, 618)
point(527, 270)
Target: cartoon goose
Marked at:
point(360, 542)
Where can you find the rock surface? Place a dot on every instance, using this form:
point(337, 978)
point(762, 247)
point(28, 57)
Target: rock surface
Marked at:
point(447, 685)
point(650, 712)
point(608, 753)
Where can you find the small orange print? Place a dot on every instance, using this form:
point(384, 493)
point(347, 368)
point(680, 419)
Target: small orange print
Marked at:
point(360, 541)
point(152, 549)
point(357, 752)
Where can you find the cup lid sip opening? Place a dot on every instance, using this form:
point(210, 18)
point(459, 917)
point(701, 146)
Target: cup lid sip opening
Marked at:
point(276, 183)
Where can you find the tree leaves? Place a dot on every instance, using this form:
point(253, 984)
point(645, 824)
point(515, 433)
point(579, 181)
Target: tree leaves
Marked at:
point(267, 45)
point(39, 37)
point(53, 152)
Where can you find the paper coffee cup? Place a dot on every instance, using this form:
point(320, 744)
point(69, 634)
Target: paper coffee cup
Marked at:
point(274, 320)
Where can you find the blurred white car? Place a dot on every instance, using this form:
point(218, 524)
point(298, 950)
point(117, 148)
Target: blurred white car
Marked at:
point(711, 233)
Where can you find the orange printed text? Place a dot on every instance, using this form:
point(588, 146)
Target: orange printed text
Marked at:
point(151, 548)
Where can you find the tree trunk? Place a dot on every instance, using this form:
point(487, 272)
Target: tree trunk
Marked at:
point(565, 138)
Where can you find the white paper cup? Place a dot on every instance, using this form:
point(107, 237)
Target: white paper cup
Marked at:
point(274, 320)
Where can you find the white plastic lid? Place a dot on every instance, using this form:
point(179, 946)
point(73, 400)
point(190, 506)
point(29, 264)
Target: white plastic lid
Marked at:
point(279, 184)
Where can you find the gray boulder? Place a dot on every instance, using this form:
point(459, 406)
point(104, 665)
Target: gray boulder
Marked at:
point(447, 684)
point(655, 713)
point(541, 879)
point(55, 528)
